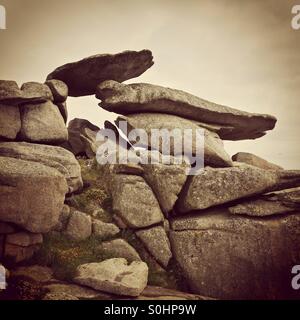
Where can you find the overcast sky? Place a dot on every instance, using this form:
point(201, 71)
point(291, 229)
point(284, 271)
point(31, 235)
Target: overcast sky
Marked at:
point(243, 54)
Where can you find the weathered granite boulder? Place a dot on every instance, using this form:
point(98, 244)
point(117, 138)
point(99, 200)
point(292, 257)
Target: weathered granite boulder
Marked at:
point(282, 202)
point(157, 242)
point(254, 160)
point(230, 257)
point(166, 181)
point(82, 131)
point(37, 90)
point(10, 122)
point(59, 90)
point(51, 156)
point(169, 125)
point(43, 123)
point(141, 97)
point(11, 94)
point(82, 77)
point(213, 187)
point(114, 276)
point(118, 248)
point(134, 201)
point(104, 230)
point(79, 226)
point(31, 194)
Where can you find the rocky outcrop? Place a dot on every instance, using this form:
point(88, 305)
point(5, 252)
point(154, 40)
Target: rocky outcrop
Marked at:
point(254, 160)
point(271, 204)
point(114, 276)
point(82, 77)
point(134, 201)
point(230, 257)
point(51, 156)
point(133, 98)
point(31, 194)
point(213, 187)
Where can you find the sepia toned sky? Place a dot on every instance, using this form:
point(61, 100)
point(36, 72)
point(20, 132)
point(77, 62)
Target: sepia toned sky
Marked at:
point(241, 53)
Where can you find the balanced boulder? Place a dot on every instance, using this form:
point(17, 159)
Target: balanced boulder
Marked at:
point(82, 77)
point(141, 97)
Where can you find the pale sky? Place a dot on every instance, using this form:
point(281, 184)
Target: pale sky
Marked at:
point(243, 54)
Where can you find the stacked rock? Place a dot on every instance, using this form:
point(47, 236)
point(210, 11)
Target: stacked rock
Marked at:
point(230, 236)
point(35, 174)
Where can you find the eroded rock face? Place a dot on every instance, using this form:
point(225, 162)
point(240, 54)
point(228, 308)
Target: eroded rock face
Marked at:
point(271, 204)
point(231, 257)
point(82, 77)
point(31, 194)
point(156, 241)
point(51, 156)
point(256, 161)
point(10, 122)
point(213, 187)
point(142, 97)
point(43, 123)
point(134, 201)
point(114, 276)
point(214, 152)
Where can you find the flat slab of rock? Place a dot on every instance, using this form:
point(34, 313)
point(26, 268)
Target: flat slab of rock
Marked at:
point(35, 272)
point(43, 123)
point(157, 242)
point(118, 248)
point(250, 258)
point(213, 149)
point(31, 92)
point(82, 77)
point(142, 97)
point(213, 187)
point(31, 194)
point(276, 203)
point(10, 122)
point(114, 276)
point(134, 201)
point(51, 156)
point(254, 160)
